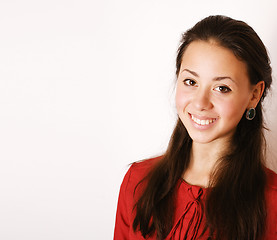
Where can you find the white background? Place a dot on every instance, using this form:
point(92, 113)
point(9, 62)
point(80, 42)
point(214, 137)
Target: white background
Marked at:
point(87, 87)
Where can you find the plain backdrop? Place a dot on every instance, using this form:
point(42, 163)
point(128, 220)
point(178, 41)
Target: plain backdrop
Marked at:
point(86, 88)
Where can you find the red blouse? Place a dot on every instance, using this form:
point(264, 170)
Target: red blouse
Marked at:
point(188, 218)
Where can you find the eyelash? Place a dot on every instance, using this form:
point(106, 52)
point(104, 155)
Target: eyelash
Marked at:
point(225, 89)
point(221, 89)
point(186, 82)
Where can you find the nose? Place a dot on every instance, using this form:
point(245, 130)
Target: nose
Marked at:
point(202, 100)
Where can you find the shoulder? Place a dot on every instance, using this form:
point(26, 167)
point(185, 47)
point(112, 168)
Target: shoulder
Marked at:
point(131, 188)
point(271, 179)
point(271, 199)
point(133, 183)
point(139, 170)
point(271, 189)
point(128, 196)
point(145, 165)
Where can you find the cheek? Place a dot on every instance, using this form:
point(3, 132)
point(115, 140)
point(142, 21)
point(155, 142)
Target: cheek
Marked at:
point(232, 110)
point(178, 99)
point(181, 100)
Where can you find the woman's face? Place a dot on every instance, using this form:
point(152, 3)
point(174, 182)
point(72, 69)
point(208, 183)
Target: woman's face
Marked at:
point(213, 92)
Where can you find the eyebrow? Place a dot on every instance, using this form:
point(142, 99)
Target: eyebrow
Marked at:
point(215, 79)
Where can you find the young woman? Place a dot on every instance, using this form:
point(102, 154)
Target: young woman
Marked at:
point(212, 182)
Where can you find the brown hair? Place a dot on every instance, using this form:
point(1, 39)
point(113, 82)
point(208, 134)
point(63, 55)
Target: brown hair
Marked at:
point(235, 206)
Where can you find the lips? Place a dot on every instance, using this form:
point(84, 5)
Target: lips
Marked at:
point(202, 122)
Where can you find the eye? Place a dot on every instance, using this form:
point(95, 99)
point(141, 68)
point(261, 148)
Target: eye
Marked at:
point(223, 89)
point(189, 82)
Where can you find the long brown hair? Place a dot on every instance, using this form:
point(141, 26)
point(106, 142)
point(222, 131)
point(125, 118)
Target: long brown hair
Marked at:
point(235, 206)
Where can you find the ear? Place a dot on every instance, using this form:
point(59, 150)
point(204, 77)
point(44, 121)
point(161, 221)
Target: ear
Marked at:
point(257, 92)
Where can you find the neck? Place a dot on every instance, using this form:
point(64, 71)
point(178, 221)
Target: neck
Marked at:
point(202, 162)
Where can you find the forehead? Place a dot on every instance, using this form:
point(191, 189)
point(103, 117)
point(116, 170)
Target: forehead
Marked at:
point(210, 58)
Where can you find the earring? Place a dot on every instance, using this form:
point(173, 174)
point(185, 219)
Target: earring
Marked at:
point(250, 113)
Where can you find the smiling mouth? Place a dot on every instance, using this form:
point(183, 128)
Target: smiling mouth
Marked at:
point(202, 122)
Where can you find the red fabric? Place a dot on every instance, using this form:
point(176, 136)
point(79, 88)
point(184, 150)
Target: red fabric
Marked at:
point(189, 220)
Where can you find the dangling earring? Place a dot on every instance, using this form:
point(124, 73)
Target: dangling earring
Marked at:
point(250, 113)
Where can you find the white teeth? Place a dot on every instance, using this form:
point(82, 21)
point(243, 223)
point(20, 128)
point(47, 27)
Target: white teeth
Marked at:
point(202, 122)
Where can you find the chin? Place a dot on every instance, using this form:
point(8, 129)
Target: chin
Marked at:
point(202, 140)
point(209, 138)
